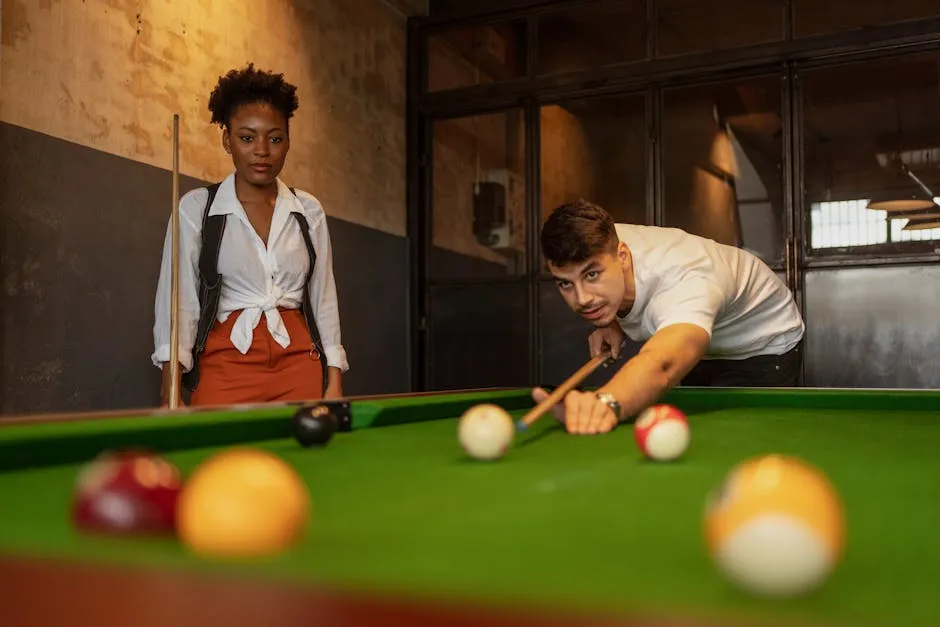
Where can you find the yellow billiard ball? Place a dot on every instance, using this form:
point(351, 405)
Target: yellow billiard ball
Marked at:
point(243, 503)
point(775, 527)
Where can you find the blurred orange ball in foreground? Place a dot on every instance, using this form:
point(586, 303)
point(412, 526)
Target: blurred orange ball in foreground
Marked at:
point(775, 527)
point(243, 503)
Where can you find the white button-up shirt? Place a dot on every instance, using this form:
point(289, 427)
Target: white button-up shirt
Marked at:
point(256, 277)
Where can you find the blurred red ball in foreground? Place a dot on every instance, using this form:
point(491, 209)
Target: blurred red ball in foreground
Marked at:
point(127, 492)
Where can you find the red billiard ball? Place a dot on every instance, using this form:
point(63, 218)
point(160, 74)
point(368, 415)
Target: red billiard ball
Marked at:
point(662, 432)
point(127, 492)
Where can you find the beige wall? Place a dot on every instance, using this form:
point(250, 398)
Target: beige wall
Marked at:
point(567, 160)
point(596, 153)
point(110, 74)
point(695, 152)
point(489, 147)
point(467, 151)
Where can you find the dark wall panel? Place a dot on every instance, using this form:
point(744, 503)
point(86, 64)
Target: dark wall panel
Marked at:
point(873, 327)
point(460, 8)
point(372, 287)
point(81, 233)
point(565, 341)
point(479, 336)
point(446, 265)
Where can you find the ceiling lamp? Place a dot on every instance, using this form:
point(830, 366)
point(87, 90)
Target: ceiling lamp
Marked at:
point(911, 204)
point(907, 204)
point(931, 212)
point(922, 224)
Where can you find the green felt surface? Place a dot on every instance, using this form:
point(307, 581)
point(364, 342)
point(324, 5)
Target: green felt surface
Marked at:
point(577, 521)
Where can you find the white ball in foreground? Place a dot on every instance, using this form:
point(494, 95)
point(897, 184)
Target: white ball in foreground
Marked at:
point(775, 527)
point(486, 431)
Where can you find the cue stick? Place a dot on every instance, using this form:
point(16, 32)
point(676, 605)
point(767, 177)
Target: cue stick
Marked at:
point(175, 277)
point(573, 381)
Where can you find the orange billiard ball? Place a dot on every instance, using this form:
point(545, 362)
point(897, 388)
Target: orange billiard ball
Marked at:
point(243, 502)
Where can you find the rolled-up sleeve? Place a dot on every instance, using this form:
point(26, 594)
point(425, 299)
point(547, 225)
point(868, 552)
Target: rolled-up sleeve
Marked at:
point(323, 294)
point(188, 285)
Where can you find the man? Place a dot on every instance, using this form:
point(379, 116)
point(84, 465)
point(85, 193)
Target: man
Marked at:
point(708, 314)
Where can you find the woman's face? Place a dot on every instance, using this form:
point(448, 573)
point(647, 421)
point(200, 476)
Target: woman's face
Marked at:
point(258, 141)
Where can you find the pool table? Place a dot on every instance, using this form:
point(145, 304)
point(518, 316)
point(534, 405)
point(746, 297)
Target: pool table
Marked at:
point(564, 530)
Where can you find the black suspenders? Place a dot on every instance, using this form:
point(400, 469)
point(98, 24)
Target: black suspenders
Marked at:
point(210, 287)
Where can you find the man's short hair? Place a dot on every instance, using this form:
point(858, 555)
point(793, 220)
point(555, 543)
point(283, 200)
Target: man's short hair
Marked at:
point(577, 231)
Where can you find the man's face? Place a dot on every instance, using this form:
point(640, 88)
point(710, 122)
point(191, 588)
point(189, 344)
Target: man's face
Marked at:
point(594, 288)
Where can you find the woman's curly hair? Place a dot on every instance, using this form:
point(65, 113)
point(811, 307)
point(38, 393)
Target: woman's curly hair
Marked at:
point(247, 86)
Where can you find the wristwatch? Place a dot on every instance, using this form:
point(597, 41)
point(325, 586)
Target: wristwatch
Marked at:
point(609, 400)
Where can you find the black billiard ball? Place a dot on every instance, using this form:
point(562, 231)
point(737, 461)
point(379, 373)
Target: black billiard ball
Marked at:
point(314, 424)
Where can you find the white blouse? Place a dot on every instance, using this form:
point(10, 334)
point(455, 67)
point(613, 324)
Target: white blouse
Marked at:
point(257, 278)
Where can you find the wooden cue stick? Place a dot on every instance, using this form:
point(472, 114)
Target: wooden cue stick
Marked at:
point(175, 280)
point(552, 399)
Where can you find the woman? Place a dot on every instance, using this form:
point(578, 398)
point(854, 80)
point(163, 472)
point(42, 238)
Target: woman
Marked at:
point(257, 344)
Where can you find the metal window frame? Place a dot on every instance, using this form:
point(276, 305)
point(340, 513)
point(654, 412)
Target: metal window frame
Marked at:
point(787, 59)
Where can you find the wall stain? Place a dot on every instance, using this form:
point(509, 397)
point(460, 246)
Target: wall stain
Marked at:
point(131, 9)
point(47, 372)
point(98, 122)
point(143, 142)
point(15, 23)
point(119, 70)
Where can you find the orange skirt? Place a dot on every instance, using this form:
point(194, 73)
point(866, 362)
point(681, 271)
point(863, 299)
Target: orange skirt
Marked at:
point(266, 373)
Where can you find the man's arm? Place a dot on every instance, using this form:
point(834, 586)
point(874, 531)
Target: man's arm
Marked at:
point(662, 362)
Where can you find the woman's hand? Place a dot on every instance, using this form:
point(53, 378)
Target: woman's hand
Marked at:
point(334, 386)
point(165, 385)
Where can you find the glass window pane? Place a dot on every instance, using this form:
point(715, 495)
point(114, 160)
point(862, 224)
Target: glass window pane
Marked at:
point(479, 336)
point(695, 26)
point(476, 55)
point(812, 17)
point(595, 149)
point(841, 223)
point(478, 211)
point(592, 35)
point(722, 164)
point(927, 231)
point(871, 135)
point(564, 341)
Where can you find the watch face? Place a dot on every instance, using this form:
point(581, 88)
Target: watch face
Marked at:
point(611, 402)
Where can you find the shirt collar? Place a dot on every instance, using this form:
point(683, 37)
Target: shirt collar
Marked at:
point(226, 201)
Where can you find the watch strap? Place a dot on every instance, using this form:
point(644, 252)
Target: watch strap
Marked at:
point(609, 400)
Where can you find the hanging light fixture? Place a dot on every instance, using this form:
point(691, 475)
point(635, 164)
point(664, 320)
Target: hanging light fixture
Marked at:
point(931, 211)
point(907, 205)
point(922, 224)
point(918, 199)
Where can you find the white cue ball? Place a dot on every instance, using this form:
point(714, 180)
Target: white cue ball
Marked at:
point(486, 431)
